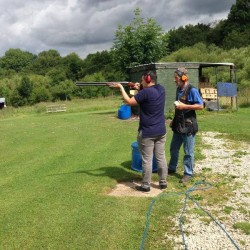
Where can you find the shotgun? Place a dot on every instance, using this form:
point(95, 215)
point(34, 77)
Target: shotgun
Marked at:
point(109, 84)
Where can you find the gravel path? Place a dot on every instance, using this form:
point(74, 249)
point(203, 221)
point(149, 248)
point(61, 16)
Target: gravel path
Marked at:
point(222, 156)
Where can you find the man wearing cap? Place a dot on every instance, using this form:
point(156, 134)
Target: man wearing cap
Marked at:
point(184, 124)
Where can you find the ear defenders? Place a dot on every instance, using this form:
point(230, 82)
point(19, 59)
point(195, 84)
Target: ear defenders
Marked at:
point(181, 75)
point(147, 78)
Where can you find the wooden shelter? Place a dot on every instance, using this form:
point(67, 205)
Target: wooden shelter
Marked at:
point(165, 76)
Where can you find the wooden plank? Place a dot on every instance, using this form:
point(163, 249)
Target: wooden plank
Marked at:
point(56, 108)
point(209, 96)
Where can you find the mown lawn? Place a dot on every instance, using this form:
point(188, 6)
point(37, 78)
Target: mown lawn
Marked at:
point(56, 170)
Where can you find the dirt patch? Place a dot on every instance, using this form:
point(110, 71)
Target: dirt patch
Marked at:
point(128, 189)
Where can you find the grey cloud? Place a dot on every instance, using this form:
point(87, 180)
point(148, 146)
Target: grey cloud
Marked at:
point(86, 26)
point(80, 27)
point(210, 7)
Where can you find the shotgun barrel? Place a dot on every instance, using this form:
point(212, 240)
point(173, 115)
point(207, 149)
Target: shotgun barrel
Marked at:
point(101, 83)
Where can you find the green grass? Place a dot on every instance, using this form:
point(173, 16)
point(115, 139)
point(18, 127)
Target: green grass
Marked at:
point(234, 123)
point(56, 170)
point(244, 226)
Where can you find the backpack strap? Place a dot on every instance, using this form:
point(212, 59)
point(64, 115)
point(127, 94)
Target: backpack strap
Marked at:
point(185, 93)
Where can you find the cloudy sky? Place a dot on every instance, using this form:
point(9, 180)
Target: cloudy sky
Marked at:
point(88, 26)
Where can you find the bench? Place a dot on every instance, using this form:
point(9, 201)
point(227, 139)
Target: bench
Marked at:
point(56, 108)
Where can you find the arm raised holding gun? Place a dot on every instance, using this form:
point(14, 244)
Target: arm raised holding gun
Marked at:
point(133, 87)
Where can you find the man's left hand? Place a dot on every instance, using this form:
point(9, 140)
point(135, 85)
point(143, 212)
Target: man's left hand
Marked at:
point(116, 85)
point(181, 106)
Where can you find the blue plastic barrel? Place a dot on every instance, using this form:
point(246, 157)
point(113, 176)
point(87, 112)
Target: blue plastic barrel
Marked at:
point(124, 112)
point(137, 160)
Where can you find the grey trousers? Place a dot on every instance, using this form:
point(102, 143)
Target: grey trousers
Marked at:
point(150, 147)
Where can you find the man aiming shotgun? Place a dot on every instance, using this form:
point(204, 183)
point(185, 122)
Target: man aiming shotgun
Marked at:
point(152, 130)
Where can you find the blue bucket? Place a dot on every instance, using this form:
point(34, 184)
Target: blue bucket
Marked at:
point(137, 161)
point(124, 112)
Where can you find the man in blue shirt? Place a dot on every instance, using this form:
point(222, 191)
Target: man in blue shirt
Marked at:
point(184, 124)
point(152, 129)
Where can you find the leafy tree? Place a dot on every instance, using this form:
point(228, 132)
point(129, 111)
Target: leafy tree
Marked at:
point(41, 89)
point(140, 42)
point(40, 94)
point(56, 75)
point(8, 73)
point(103, 62)
point(9, 85)
point(216, 34)
point(187, 36)
point(63, 90)
point(237, 26)
point(73, 65)
point(15, 99)
point(239, 16)
point(16, 60)
point(45, 61)
point(24, 90)
point(236, 39)
point(96, 62)
point(4, 90)
point(188, 54)
point(233, 32)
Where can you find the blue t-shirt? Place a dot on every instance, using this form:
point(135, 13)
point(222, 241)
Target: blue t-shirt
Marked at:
point(193, 96)
point(152, 103)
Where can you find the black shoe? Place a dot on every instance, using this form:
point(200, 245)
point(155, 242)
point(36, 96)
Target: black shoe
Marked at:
point(163, 186)
point(142, 188)
point(185, 178)
point(170, 171)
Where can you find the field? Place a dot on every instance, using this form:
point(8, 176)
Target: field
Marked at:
point(57, 169)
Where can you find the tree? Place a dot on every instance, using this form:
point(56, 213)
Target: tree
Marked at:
point(17, 60)
point(63, 90)
point(96, 62)
point(187, 36)
point(239, 16)
point(56, 75)
point(140, 42)
point(236, 39)
point(103, 62)
point(73, 66)
point(41, 89)
point(237, 26)
point(45, 61)
point(40, 94)
point(216, 34)
point(25, 90)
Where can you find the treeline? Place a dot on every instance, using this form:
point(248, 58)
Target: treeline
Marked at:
point(234, 32)
point(26, 79)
